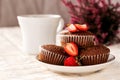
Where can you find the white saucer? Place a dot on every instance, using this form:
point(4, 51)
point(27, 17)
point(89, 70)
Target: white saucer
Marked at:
point(79, 69)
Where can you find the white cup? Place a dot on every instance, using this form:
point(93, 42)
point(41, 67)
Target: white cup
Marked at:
point(38, 30)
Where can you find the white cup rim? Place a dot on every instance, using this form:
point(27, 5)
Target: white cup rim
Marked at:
point(40, 16)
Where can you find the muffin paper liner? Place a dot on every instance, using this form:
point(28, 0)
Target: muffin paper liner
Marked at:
point(83, 40)
point(94, 59)
point(51, 57)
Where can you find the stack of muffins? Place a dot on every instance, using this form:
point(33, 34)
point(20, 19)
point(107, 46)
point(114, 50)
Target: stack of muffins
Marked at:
point(76, 46)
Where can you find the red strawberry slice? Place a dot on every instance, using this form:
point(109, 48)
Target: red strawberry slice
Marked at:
point(72, 28)
point(70, 61)
point(71, 49)
point(81, 27)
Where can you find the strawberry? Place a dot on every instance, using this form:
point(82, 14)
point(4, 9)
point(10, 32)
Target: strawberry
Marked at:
point(81, 27)
point(71, 49)
point(72, 28)
point(70, 61)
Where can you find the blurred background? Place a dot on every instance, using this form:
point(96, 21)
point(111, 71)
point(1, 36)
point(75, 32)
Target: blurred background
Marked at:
point(9, 9)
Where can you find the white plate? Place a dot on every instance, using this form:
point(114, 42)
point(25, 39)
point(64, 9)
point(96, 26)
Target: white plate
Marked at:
point(79, 69)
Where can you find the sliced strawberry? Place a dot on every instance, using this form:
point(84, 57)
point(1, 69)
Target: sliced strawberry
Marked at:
point(70, 61)
point(71, 49)
point(81, 27)
point(72, 28)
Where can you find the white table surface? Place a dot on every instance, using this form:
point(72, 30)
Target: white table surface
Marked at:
point(15, 65)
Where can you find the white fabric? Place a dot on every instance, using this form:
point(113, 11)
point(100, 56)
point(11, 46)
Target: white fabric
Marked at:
point(15, 65)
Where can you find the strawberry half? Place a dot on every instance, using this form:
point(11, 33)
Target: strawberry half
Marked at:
point(70, 61)
point(71, 49)
point(81, 27)
point(72, 28)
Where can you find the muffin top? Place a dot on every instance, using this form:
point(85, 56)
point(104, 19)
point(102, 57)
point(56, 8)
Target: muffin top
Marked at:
point(94, 50)
point(54, 49)
point(66, 32)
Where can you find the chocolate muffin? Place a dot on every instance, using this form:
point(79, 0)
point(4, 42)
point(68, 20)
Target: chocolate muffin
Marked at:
point(94, 55)
point(52, 54)
point(81, 38)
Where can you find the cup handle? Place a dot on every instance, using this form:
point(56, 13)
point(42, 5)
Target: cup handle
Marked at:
point(61, 25)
